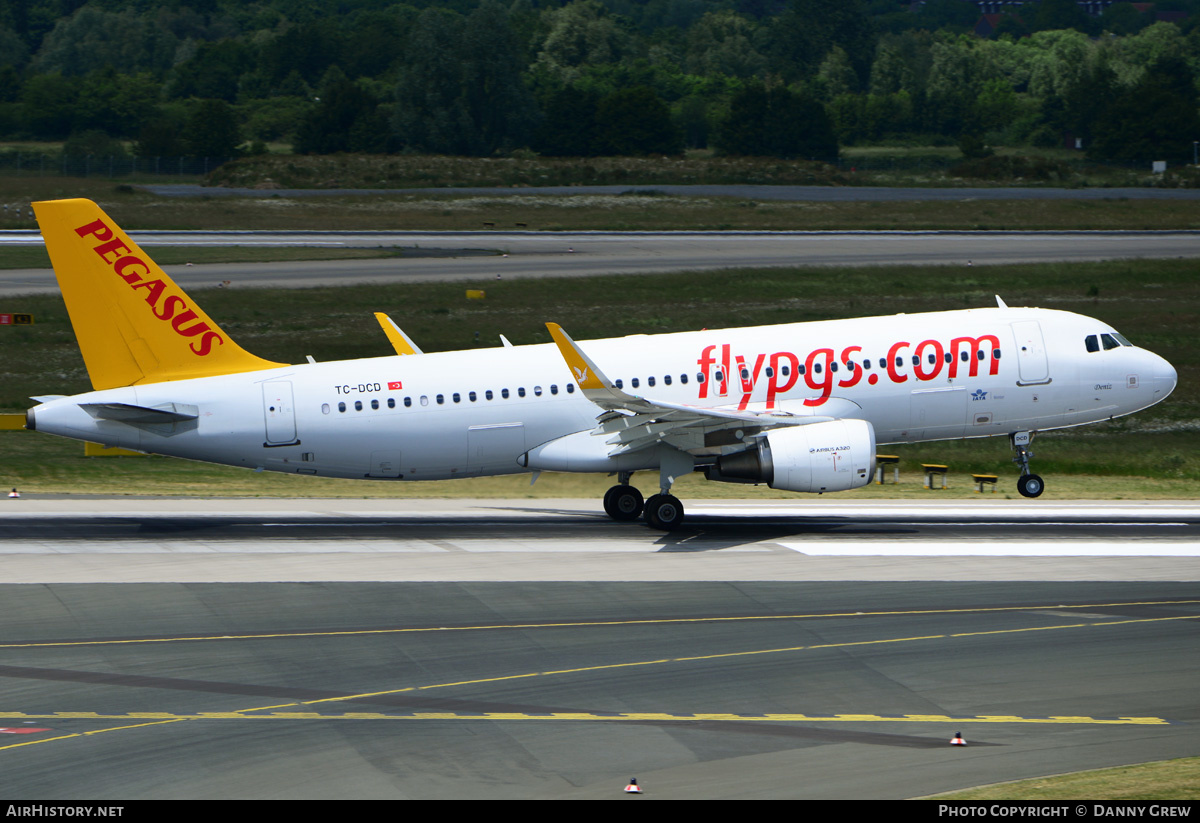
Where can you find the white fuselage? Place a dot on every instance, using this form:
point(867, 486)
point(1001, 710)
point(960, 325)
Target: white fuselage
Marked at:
point(935, 376)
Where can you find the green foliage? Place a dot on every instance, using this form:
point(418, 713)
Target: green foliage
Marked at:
point(346, 119)
point(569, 127)
point(973, 148)
point(1154, 120)
point(211, 131)
point(487, 77)
point(636, 122)
point(776, 122)
point(1008, 168)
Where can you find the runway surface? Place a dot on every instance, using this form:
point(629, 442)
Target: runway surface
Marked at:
point(534, 649)
point(818, 194)
point(510, 255)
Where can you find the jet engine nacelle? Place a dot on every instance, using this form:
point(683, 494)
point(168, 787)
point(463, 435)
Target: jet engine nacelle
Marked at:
point(821, 457)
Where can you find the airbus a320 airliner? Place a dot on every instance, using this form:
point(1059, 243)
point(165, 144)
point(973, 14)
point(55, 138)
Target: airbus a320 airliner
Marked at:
point(797, 406)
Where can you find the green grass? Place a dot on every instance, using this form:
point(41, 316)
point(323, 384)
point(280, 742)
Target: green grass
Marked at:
point(1165, 780)
point(137, 209)
point(1155, 303)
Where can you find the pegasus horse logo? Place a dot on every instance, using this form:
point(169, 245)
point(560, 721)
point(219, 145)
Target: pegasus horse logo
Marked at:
point(581, 375)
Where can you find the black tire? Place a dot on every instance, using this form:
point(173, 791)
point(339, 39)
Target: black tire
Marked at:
point(664, 512)
point(1031, 485)
point(623, 503)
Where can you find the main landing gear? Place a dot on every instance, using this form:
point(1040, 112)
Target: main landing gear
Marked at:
point(624, 503)
point(1029, 484)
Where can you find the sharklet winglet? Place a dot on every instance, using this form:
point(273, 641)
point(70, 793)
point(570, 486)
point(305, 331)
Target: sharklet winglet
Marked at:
point(594, 384)
point(400, 341)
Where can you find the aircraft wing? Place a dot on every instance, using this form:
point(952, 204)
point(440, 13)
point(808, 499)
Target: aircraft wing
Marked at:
point(635, 422)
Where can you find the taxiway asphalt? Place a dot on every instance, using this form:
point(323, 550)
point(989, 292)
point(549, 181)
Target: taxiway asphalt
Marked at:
point(519, 649)
point(487, 256)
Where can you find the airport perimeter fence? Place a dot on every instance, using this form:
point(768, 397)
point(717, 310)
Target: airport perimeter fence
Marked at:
point(38, 164)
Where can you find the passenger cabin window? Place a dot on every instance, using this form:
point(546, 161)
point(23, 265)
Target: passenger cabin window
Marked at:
point(324, 408)
point(374, 404)
point(488, 394)
point(358, 405)
point(537, 391)
point(521, 391)
point(504, 393)
point(619, 383)
point(667, 379)
point(471, 396)
point(649, 381)
point(570, 388)
point(634, 382)
point(391, 402)
point(554, 388)
point(407, 402)
point(341, 407)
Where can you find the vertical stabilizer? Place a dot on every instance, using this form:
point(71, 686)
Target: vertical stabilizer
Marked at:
point(133, 323)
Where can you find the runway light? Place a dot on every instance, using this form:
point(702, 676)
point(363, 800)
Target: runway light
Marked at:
point(633, 787)
point(958, 740)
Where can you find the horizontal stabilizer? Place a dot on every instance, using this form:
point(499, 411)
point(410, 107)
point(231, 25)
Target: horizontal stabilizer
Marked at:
point(141, 415)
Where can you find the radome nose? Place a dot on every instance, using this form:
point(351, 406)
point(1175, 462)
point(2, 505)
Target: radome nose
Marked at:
point(1165, 378)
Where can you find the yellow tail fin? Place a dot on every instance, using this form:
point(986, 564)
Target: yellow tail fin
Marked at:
point(133, 323)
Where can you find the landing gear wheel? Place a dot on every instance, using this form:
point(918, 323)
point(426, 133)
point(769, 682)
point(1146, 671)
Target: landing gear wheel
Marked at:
point(623, 503)
point(1030, 485)
point(664, 511)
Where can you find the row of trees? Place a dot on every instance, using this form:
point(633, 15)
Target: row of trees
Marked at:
point(478, 77)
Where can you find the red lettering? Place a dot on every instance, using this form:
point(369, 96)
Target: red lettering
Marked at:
point(704, 362)
point(724, 387)
point(155, 290)
point(810, 372)
point(111, 246)
point(206, 343)
point(749, 379)
point(973, 353)
point(168, 307)
point(191, 331)
point(895, 376)
point(97, 229)
point(124, 263)
point(855, 371)
point(774, 387)
point(919, 365)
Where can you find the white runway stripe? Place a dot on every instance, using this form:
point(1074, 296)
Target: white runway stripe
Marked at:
point(995, 548)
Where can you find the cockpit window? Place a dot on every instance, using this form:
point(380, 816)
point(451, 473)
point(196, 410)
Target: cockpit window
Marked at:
point(1121, 339)
point(1092, 342)
point(1109, 342)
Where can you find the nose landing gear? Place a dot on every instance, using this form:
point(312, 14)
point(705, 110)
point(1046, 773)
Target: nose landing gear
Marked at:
point(1029, 484)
